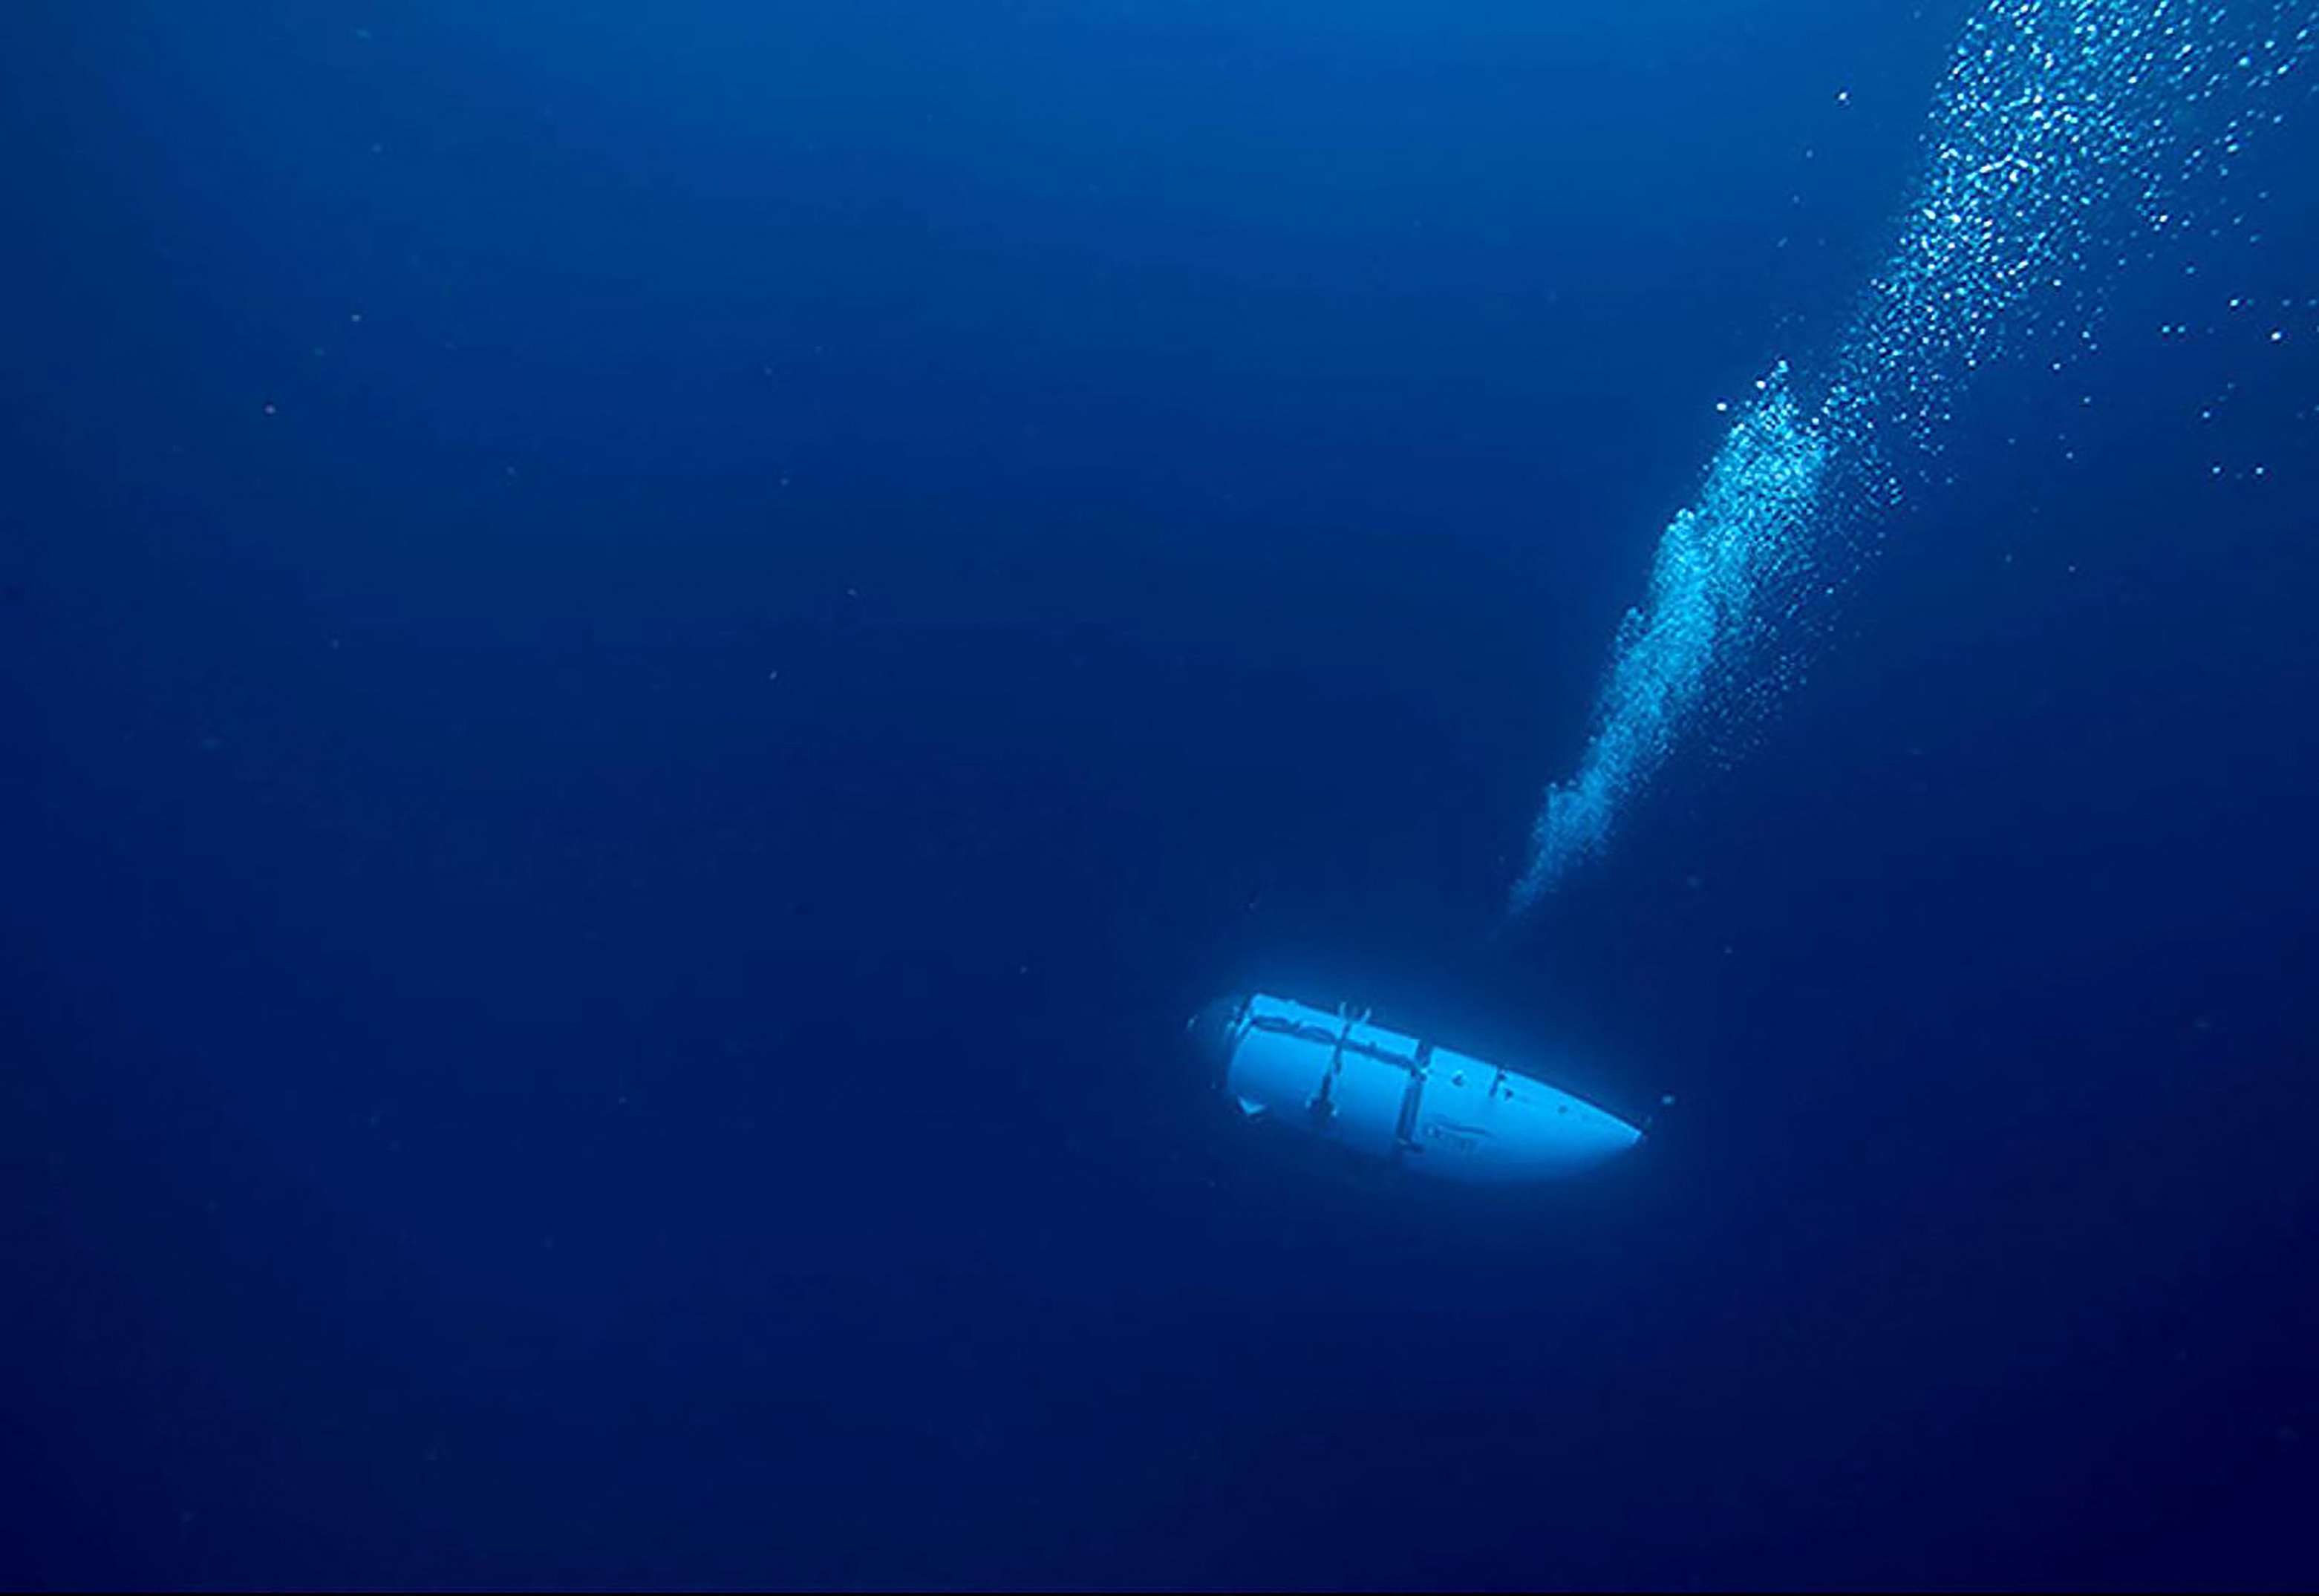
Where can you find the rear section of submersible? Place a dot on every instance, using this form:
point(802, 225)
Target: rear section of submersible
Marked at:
point(1398, 1098)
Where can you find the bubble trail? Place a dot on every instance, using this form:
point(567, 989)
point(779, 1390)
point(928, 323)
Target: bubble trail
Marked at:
point(2060, 124)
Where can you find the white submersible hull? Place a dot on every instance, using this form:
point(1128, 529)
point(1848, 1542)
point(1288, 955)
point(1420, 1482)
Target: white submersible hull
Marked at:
point(1337, 1077)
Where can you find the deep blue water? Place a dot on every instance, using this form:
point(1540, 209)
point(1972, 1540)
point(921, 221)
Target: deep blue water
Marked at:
point(648, 654)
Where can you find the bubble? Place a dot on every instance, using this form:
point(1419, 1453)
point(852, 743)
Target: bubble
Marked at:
point(2063, 128)
point(1716, 561)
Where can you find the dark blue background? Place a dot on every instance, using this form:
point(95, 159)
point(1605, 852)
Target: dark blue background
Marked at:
point(502, 1088)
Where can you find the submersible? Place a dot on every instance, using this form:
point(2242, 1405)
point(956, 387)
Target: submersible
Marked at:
point(1335, 1076)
